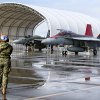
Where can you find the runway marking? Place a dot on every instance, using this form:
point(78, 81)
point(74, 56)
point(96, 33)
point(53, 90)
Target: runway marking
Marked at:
point(56, 94)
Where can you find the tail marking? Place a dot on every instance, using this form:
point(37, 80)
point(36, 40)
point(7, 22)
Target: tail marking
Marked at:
point(88, 31)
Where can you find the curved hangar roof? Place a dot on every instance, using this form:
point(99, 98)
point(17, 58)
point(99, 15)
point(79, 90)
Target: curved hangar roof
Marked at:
point(20, 20)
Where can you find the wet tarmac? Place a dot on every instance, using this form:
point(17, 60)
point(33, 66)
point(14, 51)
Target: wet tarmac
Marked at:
point(42, 76)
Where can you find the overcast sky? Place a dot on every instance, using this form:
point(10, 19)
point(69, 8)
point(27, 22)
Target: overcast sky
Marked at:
point(88, 7)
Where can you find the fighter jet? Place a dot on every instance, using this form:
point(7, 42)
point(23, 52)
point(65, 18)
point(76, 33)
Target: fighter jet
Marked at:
point(31, 41)
point(76, 42)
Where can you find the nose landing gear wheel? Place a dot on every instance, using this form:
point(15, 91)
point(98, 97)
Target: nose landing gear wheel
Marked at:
point(94, 52)
point(76, 53)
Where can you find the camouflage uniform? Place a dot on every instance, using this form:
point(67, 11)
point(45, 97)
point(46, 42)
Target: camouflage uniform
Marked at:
point(5, 63)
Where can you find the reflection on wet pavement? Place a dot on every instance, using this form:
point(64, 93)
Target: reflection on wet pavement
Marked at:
point(49, 74)
point(32, 68)
point(23, 71)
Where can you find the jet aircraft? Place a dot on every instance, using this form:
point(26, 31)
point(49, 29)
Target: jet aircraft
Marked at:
point(76, 42)
point(31, 41)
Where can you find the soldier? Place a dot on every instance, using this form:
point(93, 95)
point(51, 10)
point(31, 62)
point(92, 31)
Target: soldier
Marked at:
point(5, 63)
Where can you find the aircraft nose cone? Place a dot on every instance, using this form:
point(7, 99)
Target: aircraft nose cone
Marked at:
point(44, 41)
point(15, 41)
point(49, 41)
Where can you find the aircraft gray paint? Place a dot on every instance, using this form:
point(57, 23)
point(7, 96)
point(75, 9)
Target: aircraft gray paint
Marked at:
point(31, 41)
point(77, 42)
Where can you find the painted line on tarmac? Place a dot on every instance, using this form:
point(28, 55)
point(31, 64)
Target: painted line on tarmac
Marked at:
point(57, 94)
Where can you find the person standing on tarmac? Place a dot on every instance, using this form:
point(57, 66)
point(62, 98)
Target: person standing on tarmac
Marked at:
point(5, 63)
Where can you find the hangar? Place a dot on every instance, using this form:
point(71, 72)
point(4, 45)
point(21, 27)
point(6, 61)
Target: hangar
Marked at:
point(18, 20)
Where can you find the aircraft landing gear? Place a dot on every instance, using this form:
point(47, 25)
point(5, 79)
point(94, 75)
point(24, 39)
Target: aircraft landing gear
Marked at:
point(64, 53)
point(40, 49)
point(76, 53)
point(94, 52)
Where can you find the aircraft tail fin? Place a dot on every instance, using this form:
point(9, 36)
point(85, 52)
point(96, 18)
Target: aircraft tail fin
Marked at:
point(88, 31)
point(48, 34)
point(98, 36)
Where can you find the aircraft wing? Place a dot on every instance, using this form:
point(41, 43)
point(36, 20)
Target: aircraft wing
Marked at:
point(84, 39)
